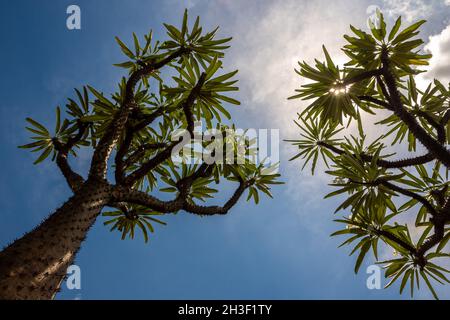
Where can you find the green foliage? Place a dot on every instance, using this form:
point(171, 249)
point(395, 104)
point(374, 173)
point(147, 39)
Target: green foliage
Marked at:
point(314, 135)
point(241, 167)
point(42, 137)
point(136, 217)
point(366, 227)
point(200, 189)
point(209, 103)
point(364, 49)
point(186, 72)
point(380, 191)
point(359, 179)
point(45, 141)
point(430, 103)
point(260, 177)
point(423, 183)
point(202, 47)
point(333, 96)
point(406, 270)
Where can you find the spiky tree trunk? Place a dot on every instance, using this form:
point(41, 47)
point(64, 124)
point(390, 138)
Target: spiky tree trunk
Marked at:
point(34, 266)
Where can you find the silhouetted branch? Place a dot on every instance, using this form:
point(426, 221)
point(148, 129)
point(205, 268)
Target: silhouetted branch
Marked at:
point(187, 105)
point(408, 193)
point(440, 129)
point(216, 210)
point(74, 180)
point(362, 76)
point(166, 153)
point(141, 150)
point(433, 146)
point(151, 164)
point(118, 124)
point(397, 240)
point(123, 194)
point(396, 164)
point(376, 101)
point(130, 131)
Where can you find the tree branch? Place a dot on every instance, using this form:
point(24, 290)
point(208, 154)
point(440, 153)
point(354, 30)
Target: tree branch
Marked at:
point(187, 105)
point(117, 125)
point(140, 151)
point(216, 210)
point(397, 240)
point(439, 221)
point(433, 146)
point(362, 76)
point(148, 119)
point(376, 101)
point(383, 89)
point(445, 119)
point(439, 228)
point(396, 164)
point(125, 145)
point(408, 193)
point(122, 206)
point(166, 153)
point(128, 195)
point(405, 192)
point(150, 165)
point(124, 194)
point(74, 180)
point(440, 129)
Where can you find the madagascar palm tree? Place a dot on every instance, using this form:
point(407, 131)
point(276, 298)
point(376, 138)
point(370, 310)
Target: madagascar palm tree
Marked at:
point(136, 125)
point(379, 77)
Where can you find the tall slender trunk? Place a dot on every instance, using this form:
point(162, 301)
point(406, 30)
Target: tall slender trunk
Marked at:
point(34, 266)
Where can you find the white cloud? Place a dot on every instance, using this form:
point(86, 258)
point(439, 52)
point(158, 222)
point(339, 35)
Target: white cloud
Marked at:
point(287, 33)
point(409, 9)
point(439, 46)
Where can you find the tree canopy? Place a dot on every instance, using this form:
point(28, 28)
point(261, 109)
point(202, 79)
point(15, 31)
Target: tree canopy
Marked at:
point(396, 203)
point(171, 85)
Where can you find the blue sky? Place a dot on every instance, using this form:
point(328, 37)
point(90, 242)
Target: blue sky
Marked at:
point(280, 249)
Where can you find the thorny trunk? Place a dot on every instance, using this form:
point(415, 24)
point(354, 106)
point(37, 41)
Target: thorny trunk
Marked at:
point(34, 266)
